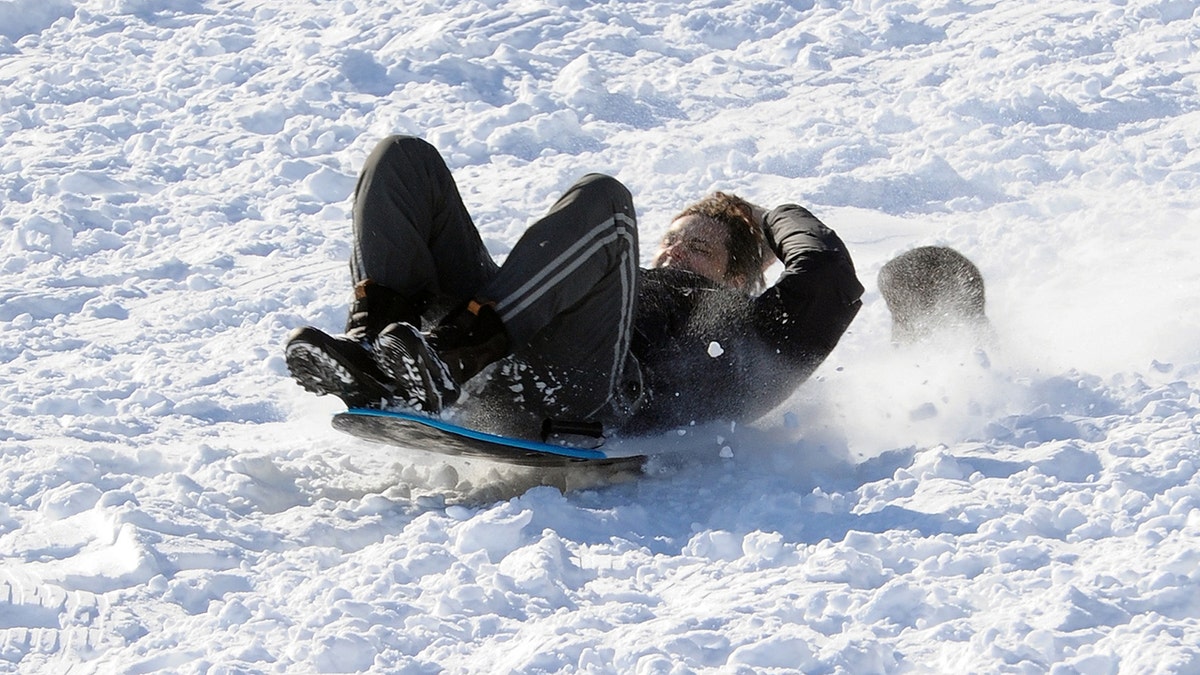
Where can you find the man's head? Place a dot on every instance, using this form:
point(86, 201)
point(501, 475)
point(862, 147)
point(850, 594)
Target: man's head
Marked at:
point(718, 238)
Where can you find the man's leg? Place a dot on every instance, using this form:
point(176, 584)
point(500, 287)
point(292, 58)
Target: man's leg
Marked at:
point(562, 304)
point(414, 242)
point(567, 295)
point(412, 233)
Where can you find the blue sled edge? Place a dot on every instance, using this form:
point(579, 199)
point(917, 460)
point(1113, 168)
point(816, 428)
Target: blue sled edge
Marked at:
point(518, 443)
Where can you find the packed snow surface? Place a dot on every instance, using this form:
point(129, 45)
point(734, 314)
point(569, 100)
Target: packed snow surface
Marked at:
point(175, 182)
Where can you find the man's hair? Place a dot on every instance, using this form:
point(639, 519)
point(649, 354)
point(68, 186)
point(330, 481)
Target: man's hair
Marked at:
point(747, 243)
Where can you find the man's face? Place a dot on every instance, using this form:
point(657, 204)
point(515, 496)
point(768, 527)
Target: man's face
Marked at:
point(696, 244)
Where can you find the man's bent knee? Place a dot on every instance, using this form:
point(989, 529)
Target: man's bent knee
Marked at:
point(601, 187)
point(401, 149)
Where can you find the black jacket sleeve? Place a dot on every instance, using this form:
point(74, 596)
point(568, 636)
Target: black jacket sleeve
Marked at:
point(818, 294)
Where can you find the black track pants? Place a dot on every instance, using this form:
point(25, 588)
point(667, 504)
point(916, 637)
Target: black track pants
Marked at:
point(411, 230)
point(566, 292)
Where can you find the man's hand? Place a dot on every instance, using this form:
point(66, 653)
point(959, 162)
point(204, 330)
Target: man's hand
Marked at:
point(759, 215)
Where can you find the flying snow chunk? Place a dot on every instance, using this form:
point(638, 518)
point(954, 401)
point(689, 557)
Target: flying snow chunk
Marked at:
point(714, 349)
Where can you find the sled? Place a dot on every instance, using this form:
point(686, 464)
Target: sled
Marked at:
point(419, 432)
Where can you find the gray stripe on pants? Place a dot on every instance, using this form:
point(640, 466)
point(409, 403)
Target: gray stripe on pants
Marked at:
point(538, 286)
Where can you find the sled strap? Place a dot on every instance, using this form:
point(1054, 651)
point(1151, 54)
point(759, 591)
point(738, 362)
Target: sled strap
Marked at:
point(573, 434)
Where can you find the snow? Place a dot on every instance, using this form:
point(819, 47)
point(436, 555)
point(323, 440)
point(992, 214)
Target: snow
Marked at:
point(174, 198)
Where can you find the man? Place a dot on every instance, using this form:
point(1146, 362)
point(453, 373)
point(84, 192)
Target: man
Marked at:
point(575, 329)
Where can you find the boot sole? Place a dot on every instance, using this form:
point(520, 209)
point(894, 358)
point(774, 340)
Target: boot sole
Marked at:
point(324, 372)
point(402, 353)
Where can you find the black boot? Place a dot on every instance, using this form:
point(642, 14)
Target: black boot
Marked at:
point(344, 365)
point(431, 368)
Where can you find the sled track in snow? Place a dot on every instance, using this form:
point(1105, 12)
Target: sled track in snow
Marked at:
point(42, 620)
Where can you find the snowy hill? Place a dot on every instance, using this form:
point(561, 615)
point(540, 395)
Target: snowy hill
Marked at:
point(174, 198)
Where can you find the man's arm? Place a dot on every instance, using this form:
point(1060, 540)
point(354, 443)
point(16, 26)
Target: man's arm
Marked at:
point(801, 240)
point(818, 293)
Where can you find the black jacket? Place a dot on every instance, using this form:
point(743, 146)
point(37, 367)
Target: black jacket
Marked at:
point(707, 352)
